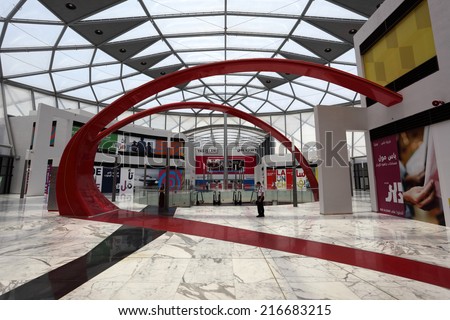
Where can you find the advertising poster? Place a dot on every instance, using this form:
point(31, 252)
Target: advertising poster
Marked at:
point(151, 179)
point(107, 144)
point(407, 179)
point(215, 164)
point(107, 179)
point(420, 177)
point(387, 171)
point(98, 177)
point(176, 148)
point(176, 178)
point(53, 134)
point(103, 177)
point(126, 186)
point(271, 179)
point(136, 145)
point(301, 180)
point(48, 176)
point(282, 179)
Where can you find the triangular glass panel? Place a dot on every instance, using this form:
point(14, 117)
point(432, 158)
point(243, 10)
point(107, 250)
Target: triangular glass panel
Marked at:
point(144, 30)
point(8, 7)
point(312, 83)
point(279, 100)
point(352, 69)
point(307, 30)
point(156, 48)
point(342, 92)
point(312, 96)
point(70, 78)
point(107, 90)
point(16, 63)
point(72, 58)
point(135, 81)
point(268, 108)
point(27, 35)
point(126, 71)
point(110, 71)
point(330, 100)
point(292, 47)
point(286, 89)
point(41, 81)
point(102, 57)
point(279, 6)
point(34, 10)
point(70, 38)
point(241, 54)
point(188, 95)
point(348, 57)
point(114, 98)
point(169, 61)
point(299, 105)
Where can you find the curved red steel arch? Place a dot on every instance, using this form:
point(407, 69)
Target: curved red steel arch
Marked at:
point(76, 192)
point(225, 109)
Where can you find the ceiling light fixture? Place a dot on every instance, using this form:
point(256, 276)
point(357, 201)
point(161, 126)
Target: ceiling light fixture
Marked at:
point(98, 31)
point(71, 6)
point(327, 50)
point(143, 63)
point(352, 31)
point(162, 73)
point(123, 50)
point(268, 81)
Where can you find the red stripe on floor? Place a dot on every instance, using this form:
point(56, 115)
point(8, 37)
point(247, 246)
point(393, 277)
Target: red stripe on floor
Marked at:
point(398, 266)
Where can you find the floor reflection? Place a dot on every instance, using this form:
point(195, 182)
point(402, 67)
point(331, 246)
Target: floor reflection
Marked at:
point(57, 283)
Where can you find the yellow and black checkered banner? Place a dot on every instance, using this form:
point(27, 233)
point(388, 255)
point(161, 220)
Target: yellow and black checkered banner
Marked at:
point(407, 45)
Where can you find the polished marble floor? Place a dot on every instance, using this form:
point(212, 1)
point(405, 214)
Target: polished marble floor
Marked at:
point(46, 256)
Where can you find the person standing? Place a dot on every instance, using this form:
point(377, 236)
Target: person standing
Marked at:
point(161, 195)
point(260, 199)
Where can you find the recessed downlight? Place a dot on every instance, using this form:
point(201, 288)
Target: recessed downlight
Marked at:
point(123, 50)
point(327, 50)
point(71, 6)
point(98, 31)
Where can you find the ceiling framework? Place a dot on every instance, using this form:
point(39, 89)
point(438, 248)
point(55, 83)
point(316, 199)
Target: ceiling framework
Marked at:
point(237, 136)
point(98, 50)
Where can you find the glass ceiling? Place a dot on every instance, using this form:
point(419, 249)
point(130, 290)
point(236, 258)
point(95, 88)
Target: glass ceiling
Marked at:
point(96, 51)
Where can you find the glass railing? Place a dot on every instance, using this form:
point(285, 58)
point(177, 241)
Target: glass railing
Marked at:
point(188, 198)
point(178, 198)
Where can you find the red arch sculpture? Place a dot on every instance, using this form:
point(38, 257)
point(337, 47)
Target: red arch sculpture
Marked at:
point(76, 192)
